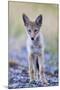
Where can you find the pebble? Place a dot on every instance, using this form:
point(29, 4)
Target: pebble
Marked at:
point(19, 78)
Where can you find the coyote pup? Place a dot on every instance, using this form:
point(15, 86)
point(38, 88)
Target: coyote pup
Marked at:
point(35, 48)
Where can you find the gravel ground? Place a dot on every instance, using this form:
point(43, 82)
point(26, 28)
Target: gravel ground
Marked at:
point(18, 73)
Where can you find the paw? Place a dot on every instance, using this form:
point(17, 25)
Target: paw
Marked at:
point(32, 79)
point(45, 82)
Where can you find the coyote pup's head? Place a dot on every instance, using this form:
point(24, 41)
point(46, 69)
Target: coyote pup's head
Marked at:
point(32, 27)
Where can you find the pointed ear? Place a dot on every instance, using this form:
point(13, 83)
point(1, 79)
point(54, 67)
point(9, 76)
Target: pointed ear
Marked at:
point(38, 20)
point(25, 20)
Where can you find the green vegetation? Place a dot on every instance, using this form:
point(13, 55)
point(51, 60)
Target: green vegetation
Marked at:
point(49, 27)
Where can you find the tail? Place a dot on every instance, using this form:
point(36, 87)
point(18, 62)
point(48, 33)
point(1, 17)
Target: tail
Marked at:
point(37, 64)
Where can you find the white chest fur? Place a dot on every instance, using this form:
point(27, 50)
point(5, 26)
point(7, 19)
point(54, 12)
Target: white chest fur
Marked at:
point(35, 49)
point(37, 46)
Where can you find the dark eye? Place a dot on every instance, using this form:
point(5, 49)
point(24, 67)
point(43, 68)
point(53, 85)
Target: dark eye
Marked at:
point(35, 30)
point(29, 30)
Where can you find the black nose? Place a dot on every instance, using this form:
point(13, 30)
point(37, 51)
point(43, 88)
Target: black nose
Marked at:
point(32, 38)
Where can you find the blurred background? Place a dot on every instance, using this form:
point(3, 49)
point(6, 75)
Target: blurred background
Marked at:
point(17, 35)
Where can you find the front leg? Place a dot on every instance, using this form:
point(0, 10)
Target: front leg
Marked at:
point(31, 67)
point(42, 69)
